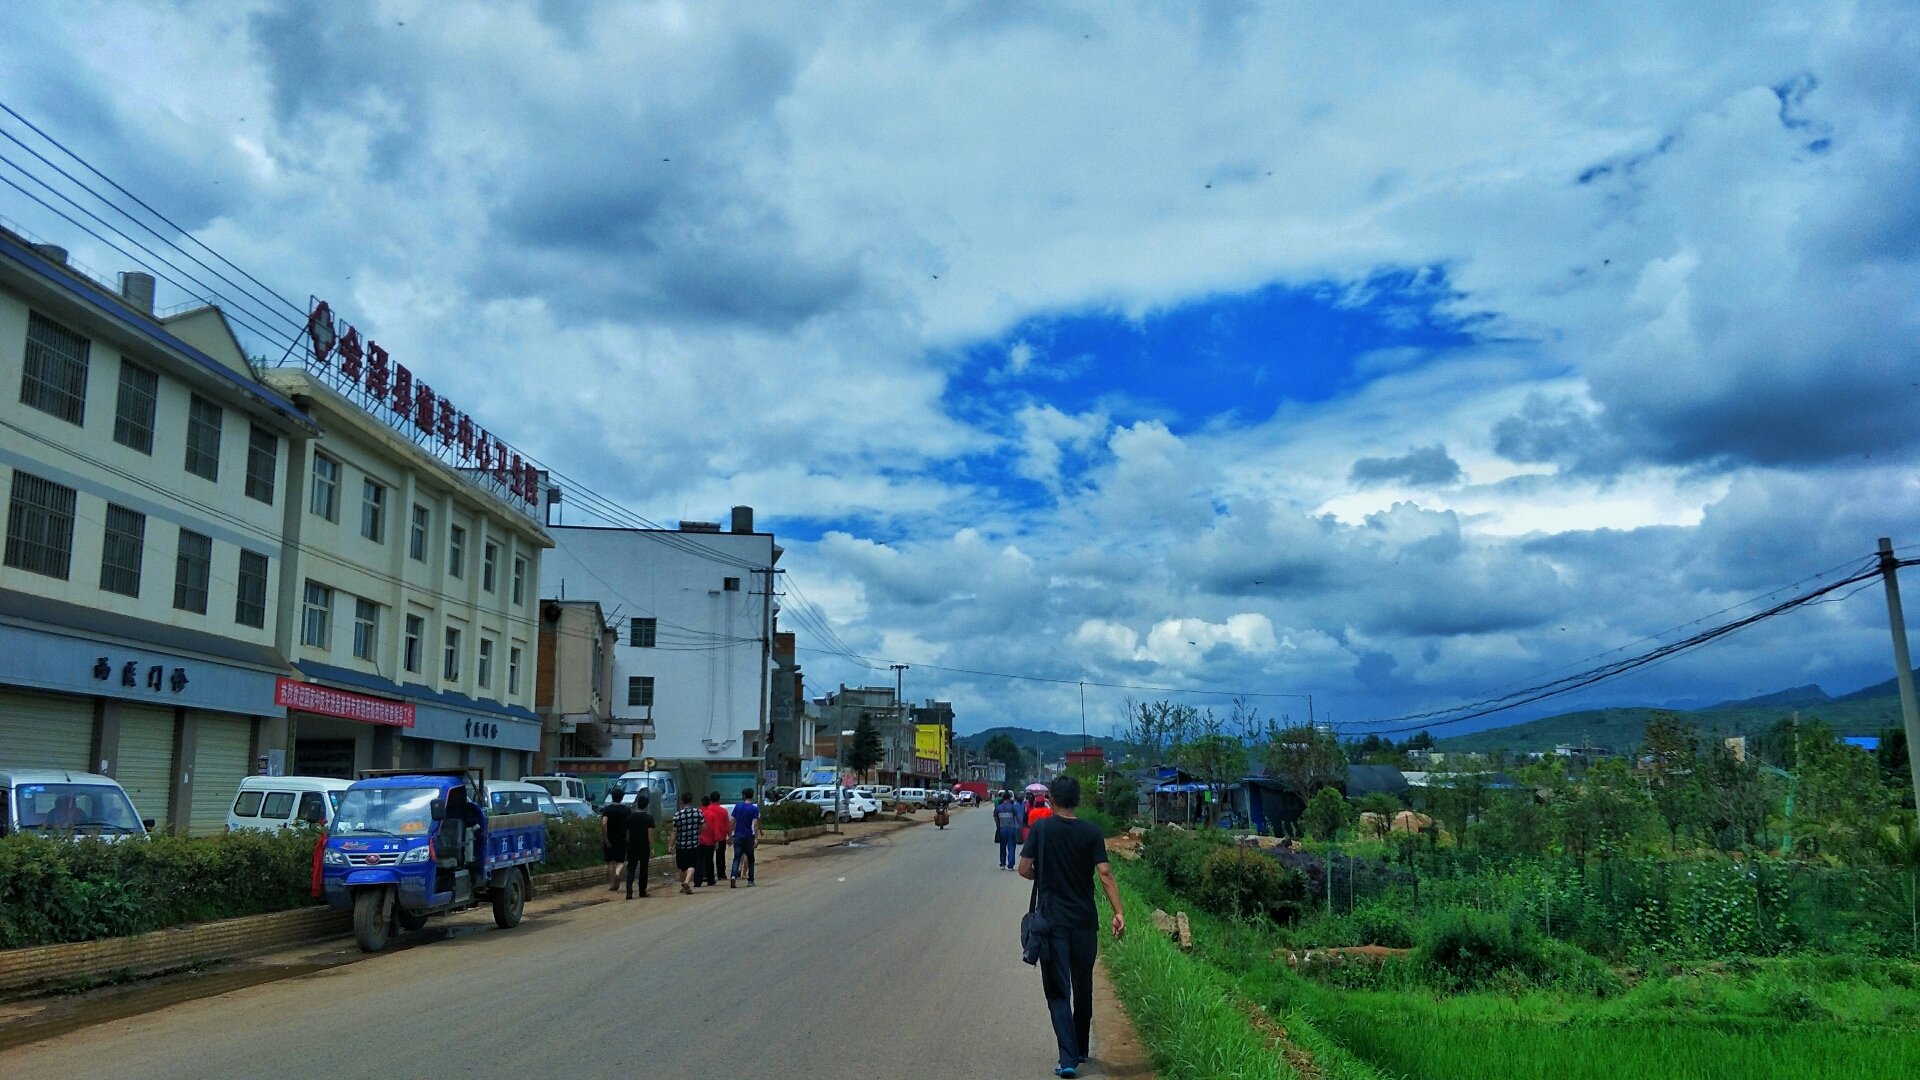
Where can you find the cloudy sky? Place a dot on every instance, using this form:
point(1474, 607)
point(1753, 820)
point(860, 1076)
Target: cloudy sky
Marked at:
point(1395, 355)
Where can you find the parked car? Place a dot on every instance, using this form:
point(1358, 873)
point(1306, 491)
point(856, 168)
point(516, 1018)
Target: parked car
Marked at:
point(57, 802)
point(965, 798)
point(853, 806)
point(560, 787)
point(272, 803)
point(519, 797)
point(580, 808)
point(914, 796)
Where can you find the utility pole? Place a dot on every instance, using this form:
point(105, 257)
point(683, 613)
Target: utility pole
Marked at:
point(1083, 716)
point(1902, 662)
point(912, 749)
point(766, 661)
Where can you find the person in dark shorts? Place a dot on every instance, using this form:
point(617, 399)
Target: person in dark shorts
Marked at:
point(687, 823)
point(639, 842)
point(613, 836)
point(1061, 857)
point(746, 835)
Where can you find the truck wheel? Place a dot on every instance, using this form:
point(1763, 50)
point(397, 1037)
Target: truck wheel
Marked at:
point(370, 915)
point(409, 920)
point(510, 900)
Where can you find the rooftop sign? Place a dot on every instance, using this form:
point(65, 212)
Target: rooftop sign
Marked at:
point(369, 377)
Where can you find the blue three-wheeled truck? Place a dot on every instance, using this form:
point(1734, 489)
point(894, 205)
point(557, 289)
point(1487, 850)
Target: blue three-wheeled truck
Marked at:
point(407, 844)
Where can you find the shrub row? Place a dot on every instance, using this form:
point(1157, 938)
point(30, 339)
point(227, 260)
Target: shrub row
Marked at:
point(791, 815)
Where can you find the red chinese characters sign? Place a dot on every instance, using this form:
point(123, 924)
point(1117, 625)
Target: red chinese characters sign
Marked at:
point(326, 701)
point(415, 405)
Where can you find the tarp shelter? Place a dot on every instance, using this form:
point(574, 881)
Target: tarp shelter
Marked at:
point(1365, 780)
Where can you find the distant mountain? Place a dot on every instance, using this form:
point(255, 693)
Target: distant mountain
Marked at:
point(1798, 697)
point(1049, 743)
point(1890, 687)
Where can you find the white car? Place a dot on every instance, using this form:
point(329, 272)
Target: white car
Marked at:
point(56, 802)
point(854, 806)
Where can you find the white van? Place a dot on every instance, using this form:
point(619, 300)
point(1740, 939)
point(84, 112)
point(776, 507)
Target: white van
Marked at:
point(272, 803)
point(55, 802)
point(663, 791)
point(519, 797)
point(913, 796)
point(561, 787)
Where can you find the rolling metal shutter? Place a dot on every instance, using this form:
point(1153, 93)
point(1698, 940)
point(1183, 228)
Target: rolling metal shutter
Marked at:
point(46, 731)
point(145, 765)
point(220, 754)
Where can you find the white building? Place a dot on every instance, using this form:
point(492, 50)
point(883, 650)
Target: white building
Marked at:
point(692, 667)
point(411, 585)
point(146, 473)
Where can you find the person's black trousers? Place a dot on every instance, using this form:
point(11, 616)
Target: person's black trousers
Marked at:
point(719, 862)
point(637, 867)
point(1066, 977)
point(703, 866)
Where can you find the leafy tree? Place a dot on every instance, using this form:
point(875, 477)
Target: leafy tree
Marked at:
point(1383, 806)
point(1326, 814)
point(1734, 799)
point(1604, 812)
point(1304, 759)
point(1457, 800)
point(1892, 756)
point(1122, 798)
point(1155, 728)
point(1422, 741)
point(1515, 821)
point(1670, 759)
point(1840, 804)
point(866, 752)
point(1003, 749)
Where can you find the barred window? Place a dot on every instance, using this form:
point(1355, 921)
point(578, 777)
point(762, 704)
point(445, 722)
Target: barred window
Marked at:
point(191, 569)
point(121, 551)
point(250, 600)
point(263, 459)
point(640, 633)
point(54, 379)
point(40, 526)
point(133, 410)
point(640, 690)
point(203, 438)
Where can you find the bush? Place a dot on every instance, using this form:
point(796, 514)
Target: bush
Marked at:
point(1121, 800)
point(1180, 855)
point(1474, 946)
point(573, 843)
point(791, 815)
point(1236, 883)
point(1107, 824)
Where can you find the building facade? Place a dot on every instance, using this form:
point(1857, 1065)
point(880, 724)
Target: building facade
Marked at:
point(408, 599)
point(790, 733)
point(695, 615)
point(572, 693)
point(147, 471)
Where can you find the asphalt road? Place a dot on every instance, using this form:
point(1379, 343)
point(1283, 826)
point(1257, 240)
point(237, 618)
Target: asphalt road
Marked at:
point(888, 955)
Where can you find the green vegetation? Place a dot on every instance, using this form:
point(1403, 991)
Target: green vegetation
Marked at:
point(791, 815)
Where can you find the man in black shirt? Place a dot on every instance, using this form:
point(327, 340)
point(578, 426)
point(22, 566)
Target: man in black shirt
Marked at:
point(639, 842)
point(613, 836)
point(1065, 853)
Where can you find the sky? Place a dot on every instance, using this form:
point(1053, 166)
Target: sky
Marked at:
point(1394, 356)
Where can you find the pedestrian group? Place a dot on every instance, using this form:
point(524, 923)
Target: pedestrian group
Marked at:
point(700, 836)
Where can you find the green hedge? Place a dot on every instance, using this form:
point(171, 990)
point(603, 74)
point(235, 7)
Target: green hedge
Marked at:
point(791, 815)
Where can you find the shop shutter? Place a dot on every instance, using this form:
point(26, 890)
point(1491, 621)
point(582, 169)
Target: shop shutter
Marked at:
point(46, 731)
point(220, 759)
point(145, 765)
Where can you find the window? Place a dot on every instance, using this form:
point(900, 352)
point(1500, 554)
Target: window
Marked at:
point(278, 805)
point(373, 511)
point(519, 581)
point(248, 804)
point(120, 552)
point(483, 671)
point(250, 598)
point(456, 551)
point(191, 569)
point(263, 457)
point(203, 438)
point(40, 526)
point(731, 584)
point(55, 376)
point(417, 541)
point(450, 666)
point(489, 560)
point(313, 809)
point(640, 633)
point(316, 617)
point(133, 411)
point(366, 628)
point(513, 670)
point(326, 488)
point(640, 690)
point(416, 630)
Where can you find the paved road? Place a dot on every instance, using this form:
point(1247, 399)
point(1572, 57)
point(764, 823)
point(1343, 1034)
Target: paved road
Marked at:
point(892, 955)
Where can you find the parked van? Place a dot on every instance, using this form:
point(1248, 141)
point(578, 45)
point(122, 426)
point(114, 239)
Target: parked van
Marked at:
point(519, 797)
point(913, 796)
point(56, 802)
point(662, 788)
point(272, 803)
point(560, 787)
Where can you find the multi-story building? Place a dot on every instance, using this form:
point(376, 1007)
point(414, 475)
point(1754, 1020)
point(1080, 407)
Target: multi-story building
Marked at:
point(790, 734)
point(933, 739)
point(845, 708)
point(692, 666)
point(410, 591)
point(147, 472)
point(572, 692)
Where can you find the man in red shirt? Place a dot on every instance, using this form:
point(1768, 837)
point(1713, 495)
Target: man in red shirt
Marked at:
point(713, 839)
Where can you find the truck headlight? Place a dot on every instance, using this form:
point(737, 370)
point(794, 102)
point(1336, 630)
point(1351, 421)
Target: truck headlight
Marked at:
point(423, 853)
point(334, 858)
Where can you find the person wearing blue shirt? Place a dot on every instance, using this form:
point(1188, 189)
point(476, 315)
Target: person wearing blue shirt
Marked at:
point(746, 836)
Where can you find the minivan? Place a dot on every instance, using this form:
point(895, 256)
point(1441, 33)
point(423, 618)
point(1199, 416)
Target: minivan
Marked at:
point(915, 796)
point(663, 790)
point(272, 803)
point(519, 797)
point(57, 802)
point(561, 787)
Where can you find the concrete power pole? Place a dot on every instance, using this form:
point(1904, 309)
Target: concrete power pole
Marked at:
point(1902, 663)
point(766, 661)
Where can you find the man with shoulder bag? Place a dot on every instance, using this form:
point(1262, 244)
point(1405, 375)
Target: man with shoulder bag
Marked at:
point(1060, 933)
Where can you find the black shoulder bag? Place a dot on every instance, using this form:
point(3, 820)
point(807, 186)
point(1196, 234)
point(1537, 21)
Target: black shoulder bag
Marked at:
point(1033, 925)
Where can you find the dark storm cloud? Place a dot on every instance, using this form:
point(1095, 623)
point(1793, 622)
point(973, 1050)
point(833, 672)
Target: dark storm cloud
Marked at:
point(1426, 466)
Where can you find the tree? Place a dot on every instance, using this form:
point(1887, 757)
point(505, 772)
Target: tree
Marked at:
point(866, 752)
point(1003, 749)
point(1840, 803)
point(1155, 728)
point(1735, 798)
point(1304, 759)
point(1670, 759)
point(1604, 811)
point(1383, 806)
point(1326, 814)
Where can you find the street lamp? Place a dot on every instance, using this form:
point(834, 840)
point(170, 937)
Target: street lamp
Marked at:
point(839, 785)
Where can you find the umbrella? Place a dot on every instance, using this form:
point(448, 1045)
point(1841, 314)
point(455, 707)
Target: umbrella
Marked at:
point(1040, 788)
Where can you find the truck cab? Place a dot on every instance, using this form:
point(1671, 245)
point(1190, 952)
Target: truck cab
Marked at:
point(409, 844)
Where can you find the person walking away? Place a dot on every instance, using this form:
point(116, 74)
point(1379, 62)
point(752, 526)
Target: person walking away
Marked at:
point(1062, 857)
point(613, 836)
point(1006, 829)
point(687, 823)
point(1022, 807)
point(719, 824)
point(746, 836)
point(1040, 812)
point(639, 842)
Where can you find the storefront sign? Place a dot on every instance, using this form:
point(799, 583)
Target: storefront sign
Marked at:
point(156, 674)
point(327, 701)
point(75, 662)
